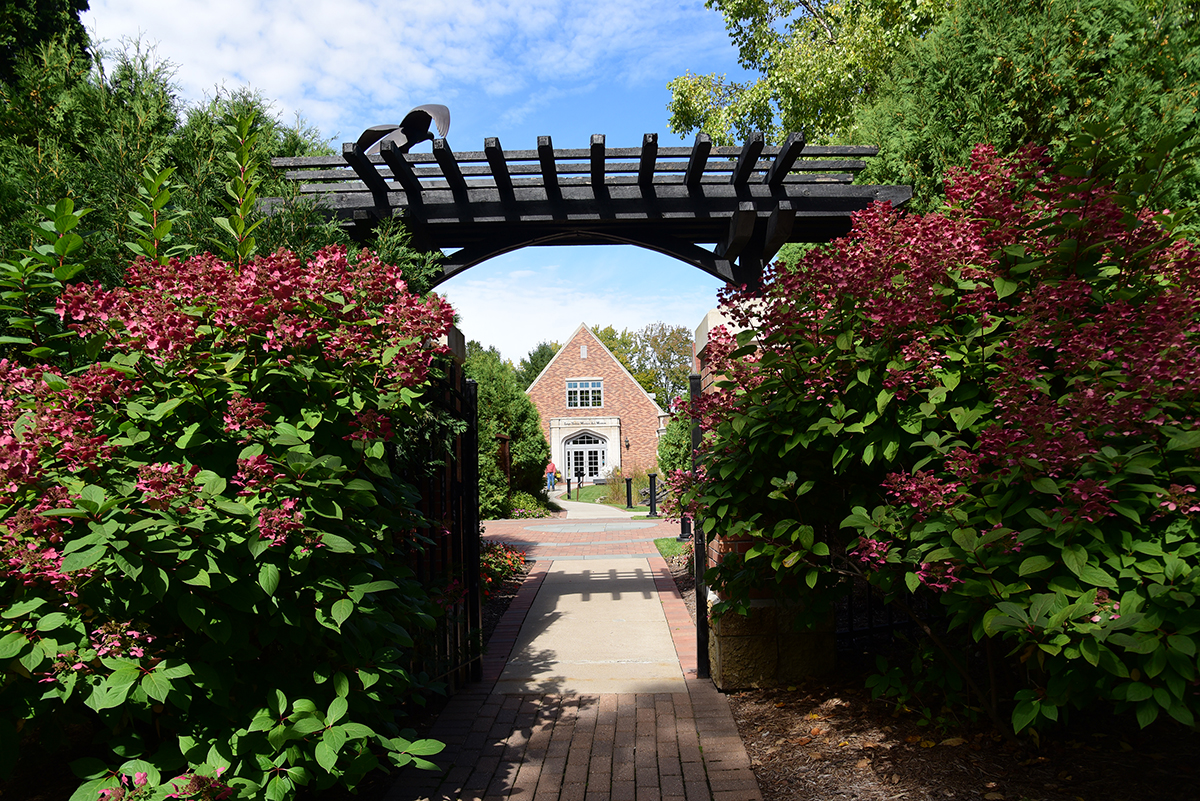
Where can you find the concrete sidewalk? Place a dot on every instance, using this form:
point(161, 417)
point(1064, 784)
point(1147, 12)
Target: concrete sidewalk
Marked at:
point(590, 690)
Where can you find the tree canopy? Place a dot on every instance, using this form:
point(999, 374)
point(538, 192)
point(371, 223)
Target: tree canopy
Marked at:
point(818, 62)
point(658, 356)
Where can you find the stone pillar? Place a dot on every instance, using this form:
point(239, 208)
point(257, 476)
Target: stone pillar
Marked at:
point(764, 649)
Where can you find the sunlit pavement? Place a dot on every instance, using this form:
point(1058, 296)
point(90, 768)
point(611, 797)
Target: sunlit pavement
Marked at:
point(590, 690)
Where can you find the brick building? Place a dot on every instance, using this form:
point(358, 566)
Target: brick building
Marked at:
point(595, 416)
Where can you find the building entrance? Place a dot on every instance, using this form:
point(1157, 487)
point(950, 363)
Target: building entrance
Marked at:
point(586, 453)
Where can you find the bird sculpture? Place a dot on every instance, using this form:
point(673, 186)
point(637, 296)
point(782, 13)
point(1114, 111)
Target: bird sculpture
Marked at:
point(412, 129)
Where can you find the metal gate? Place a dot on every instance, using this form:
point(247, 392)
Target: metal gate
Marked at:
point(447, 560)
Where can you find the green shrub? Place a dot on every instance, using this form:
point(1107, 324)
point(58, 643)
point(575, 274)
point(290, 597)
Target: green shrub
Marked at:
point(205, 531)
point(993, 406)
point(526, 506)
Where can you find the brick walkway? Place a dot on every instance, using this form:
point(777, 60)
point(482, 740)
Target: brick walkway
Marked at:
point(620, 746)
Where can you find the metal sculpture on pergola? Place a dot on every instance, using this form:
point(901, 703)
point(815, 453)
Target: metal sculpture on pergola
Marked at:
point(725, 210)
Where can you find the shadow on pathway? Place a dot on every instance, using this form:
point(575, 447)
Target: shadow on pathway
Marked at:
point(589, 690)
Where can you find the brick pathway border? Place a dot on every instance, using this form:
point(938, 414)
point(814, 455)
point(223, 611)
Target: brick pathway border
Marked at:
point(608, 747)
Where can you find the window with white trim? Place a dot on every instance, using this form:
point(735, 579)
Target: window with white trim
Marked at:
point(585, 394)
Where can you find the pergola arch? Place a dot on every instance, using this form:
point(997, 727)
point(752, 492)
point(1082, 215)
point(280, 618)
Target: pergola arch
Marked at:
point(723, 210)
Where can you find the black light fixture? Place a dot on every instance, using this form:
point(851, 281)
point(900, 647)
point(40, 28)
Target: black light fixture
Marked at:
point(627, 443)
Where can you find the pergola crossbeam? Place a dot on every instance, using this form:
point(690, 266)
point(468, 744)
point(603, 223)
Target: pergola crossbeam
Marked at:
point(726, 210)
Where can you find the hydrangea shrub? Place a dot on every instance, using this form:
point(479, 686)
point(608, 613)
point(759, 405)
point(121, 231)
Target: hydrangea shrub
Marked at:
point(204, 530)
point(995, 405)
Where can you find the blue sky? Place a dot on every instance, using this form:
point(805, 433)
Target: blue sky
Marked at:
point(516, 70)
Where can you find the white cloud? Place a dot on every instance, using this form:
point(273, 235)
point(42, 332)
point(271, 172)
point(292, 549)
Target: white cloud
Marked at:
point(342, 64)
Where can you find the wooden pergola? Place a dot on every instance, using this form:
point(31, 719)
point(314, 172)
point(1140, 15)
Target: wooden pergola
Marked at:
point(725, 210)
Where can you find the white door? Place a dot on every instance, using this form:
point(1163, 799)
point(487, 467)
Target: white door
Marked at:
point(586, 454)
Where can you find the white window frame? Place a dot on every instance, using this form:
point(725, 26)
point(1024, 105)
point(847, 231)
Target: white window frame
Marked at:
point(593, 388)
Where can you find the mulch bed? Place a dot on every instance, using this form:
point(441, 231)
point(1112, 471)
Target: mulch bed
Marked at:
point(829, 740)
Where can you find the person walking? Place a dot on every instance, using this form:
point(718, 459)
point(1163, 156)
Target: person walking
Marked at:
point(551, 476)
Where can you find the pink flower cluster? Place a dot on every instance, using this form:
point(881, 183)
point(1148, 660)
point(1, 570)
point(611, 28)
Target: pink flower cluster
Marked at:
point(370, 425)
point(871, 552)
point(353, 311)
point(197, 787)
point(921, 490)
point(277, 524)
point(1181, 498)
point(66, 663)
point(255, 475)
point(27, 552)
point(42, 427)
point(1089, 500)
point(120, 639)
point(128, 789)
point(244, 415)
point(938, 576)
point(162, 483)
point(1106, 609)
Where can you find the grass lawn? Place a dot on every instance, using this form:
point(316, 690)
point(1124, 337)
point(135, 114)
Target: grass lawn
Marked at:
point(596, 493)
point(668, 547)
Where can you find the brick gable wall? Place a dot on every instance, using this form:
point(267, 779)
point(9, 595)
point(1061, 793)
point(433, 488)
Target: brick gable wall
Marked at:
point(623, 398)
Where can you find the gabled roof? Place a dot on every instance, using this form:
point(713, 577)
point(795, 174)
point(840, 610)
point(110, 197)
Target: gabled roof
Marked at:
point(608, 353)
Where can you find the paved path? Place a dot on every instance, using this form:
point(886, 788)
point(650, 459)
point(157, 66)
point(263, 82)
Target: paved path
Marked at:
point(590, 690)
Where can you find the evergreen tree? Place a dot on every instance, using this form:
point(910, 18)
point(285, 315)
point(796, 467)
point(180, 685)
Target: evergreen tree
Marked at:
point(1043, 72)
point(533, 364)
point(505, 410)
point(26, 24)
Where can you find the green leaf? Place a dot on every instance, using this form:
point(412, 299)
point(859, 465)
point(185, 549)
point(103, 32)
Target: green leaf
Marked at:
point(1034, 564)
point(1004, 287)
point(1025, 713)
point(425, 747)
point(1185, 441)
point(191, 437)
point(911, 580)
point(342, 609)
point(156, 685)
point(326, 756)
point(268, 578)
point(81, 559)
point(337, 710)
point(1046, 485)
point(1074, 557)
point(338, 544)
point(12, 644)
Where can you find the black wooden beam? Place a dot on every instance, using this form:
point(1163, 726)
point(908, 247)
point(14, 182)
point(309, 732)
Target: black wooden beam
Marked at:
point(789, 151)
point(680, 249)
point(545, 151)
point(748, 158)
point(366, 171)
point(698, 160)
point(496, 160)
point(649, 156)
point(445, 159)
point(402, 171)
point(779, 229)
point(597, 159)
point(741, 228)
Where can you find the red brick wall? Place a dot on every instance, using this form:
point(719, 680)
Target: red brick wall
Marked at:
point(623, 398)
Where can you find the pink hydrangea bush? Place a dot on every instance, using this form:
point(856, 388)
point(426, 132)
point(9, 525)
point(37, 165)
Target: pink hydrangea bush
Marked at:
point(217, 493)
point(996, 405)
